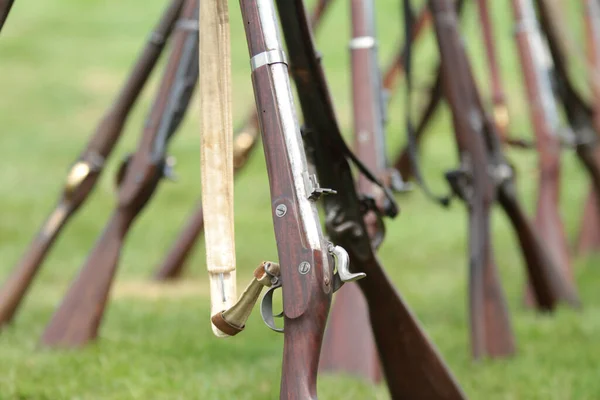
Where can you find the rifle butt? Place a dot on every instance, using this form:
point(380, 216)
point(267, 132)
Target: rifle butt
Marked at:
point(172, 266)
point(303, 338)
point(491, 331)
point(412, 366)
point(76, 321)
point(548, 285)
point(588, 239)
point(349, 345)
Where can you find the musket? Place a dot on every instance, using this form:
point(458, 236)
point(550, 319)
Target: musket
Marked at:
point(536, 68)
point(244, 143)
point(491, 331)
point(86, 170)
point(588, 239)
point(349, 344)
point(77, 320)
point(5, 6)
point(305, 269)
point(411, 365)
point(483, 178)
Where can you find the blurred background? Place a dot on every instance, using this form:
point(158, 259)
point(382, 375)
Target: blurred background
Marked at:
point(61, 65)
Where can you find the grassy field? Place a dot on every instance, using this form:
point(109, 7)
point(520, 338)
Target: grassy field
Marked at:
point(62, 61)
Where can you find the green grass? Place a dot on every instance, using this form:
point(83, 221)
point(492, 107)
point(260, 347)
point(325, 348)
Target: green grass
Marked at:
point(61, 63)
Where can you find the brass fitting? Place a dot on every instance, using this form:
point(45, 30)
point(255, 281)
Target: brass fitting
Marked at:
point(233, 320)
point(501, 116)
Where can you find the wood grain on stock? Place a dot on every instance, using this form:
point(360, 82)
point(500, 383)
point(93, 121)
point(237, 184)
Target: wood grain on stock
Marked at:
point(101, 144)
point(306, 298)
point(77, 320)
point(491, 333)
point(245, 142)
point(306, 304)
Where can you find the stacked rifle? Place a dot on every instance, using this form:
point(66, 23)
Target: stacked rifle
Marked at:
point(371, 332)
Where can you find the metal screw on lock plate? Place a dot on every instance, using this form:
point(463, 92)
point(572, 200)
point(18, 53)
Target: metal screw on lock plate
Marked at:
point(280, 210)
point(304, 267)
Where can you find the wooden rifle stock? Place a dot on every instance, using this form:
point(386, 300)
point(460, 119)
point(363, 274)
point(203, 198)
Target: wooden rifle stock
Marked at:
point(244, 143)
point(588, 239)
point(544, 115)
point(491, 332)
point(76, 321)
point(85, 172)
point(5, 7)
point(412, 366)
point(306, 268)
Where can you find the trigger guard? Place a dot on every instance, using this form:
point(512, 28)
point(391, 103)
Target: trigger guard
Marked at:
point(266, 309)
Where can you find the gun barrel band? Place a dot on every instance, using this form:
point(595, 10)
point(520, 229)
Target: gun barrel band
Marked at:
point(527, 25)
point(188, 25)
point(362, 42)
point(268, 58)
